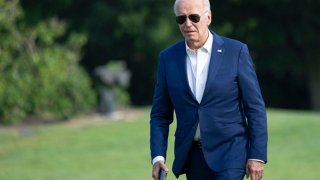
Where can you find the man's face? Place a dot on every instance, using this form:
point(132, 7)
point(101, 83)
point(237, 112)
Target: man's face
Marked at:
point(194, 33)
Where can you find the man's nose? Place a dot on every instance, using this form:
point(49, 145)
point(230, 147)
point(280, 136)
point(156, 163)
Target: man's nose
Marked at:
point(188, 22)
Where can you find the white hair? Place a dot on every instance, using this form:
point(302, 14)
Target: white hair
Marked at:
point(206, 4)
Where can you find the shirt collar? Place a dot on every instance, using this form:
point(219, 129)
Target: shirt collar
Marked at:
point(207, 45)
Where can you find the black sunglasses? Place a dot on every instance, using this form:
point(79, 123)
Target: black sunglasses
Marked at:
point(195, 18)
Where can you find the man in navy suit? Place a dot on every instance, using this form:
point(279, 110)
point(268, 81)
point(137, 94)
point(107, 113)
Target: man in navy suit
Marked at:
point(210, 83)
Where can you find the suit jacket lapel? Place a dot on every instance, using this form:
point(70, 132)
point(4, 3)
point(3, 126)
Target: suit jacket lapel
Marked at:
point(215, 61)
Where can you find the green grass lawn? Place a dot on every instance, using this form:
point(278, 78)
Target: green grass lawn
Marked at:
point(117, 150)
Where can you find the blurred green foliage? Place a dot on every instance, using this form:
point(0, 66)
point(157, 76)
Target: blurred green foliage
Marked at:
point(42, 41)
point(282, 36)
point(38, 75)
point(130, 30)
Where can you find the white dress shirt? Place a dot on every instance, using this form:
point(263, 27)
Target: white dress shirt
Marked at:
point(198, 66)
point(197, 71)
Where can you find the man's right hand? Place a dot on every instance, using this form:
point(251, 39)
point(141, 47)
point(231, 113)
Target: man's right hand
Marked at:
point(157, 168)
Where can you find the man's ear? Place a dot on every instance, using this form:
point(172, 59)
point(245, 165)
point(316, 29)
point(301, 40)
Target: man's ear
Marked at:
point(210, 14)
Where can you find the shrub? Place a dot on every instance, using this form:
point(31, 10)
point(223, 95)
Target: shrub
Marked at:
point(38, 75)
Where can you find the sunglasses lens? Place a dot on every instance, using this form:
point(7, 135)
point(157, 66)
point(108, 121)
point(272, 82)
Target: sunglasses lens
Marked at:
point(194, 18)
point(181, 19)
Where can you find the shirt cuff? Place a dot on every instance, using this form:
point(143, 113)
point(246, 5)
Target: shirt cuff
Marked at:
point(157, 158)
point(257, 160)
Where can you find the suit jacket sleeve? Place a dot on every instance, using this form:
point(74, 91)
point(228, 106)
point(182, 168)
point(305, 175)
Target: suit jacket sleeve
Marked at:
point(253, 106)
point(161, 113)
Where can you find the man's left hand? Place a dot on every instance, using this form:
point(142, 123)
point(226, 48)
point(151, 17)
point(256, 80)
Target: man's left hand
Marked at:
point(254, 169)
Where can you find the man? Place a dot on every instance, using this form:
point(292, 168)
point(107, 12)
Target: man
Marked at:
point(210, 83)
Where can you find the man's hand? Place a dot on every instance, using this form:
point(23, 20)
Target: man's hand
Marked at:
point(157, 168)
point(254, 169)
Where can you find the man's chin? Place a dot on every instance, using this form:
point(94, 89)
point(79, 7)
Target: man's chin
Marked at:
point(190, 36)
point(191, 39)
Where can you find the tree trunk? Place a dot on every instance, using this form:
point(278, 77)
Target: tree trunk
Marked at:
point(313, 65)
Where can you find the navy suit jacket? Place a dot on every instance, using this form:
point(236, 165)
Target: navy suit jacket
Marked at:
point(232, 115)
